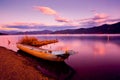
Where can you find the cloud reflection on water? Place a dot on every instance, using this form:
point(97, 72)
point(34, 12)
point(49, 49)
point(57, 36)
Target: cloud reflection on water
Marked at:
point(96, 54)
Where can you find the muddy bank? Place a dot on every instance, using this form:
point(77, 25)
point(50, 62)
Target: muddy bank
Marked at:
point(15, 67)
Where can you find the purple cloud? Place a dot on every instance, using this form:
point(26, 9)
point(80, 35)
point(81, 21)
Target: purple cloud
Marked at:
point(98, 19)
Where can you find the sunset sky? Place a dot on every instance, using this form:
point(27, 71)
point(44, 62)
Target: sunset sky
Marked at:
point(26, 15)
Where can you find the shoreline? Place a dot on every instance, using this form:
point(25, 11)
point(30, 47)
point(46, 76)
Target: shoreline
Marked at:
point(13, 66)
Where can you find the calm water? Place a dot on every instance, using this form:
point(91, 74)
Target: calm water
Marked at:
point(97, 58)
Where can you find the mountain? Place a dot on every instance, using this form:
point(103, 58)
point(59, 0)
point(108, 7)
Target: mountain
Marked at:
point(8, 32)
point(36, 32)
point(2, 34)
point(103, 29)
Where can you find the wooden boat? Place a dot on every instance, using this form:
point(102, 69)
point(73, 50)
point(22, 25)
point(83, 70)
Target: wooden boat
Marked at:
point(55, 55)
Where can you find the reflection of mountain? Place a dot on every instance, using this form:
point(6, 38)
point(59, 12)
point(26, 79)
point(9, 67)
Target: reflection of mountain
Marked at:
point(106, 38)
point(57, 70)
point(104, 29)
point(102, 38)
point(110, 39)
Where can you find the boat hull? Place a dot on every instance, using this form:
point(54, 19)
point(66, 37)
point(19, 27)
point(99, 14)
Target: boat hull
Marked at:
point(43, 55)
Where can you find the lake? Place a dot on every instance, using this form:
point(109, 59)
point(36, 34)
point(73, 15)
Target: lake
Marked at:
point(97, 57)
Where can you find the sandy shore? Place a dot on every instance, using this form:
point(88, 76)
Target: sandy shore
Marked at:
point(15, 67)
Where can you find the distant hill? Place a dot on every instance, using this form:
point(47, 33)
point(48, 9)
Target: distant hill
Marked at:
point(3, 34)
point(36, 32)
point(8, 32)
point(103, 29)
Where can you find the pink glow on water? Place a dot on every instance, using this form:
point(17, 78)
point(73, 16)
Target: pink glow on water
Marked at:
point(96, 57)
point(9, 42)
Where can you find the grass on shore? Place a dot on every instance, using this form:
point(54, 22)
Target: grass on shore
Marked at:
point(33, 41)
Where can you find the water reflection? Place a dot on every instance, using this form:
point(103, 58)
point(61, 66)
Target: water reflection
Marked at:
point(9, 42)
point(97, 46)
point(98, 57)
point(60, 71)
point(57, 70)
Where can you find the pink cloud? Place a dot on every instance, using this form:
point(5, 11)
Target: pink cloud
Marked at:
point(30, 24)
point(68, 22)
point(25, 23)
point(96, 20)
point(101, 15)
point(61, 19)
point(55, 14)
point(46, 10)
point(100, 18)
